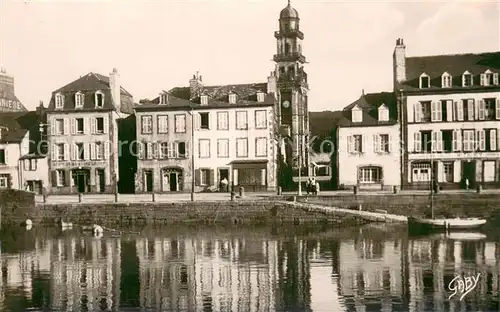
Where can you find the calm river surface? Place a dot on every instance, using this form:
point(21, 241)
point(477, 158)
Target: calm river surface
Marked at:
point(374, 268)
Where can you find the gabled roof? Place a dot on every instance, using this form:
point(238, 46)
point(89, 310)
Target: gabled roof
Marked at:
point(89, 84)
point(453, 64)
point(218, 97)
point(15, 125)
point(369, 104)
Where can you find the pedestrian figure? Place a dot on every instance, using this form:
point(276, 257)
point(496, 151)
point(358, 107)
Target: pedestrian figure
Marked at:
point(224, 185)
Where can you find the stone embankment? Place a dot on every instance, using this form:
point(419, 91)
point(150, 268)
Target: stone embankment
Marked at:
point(214, 212)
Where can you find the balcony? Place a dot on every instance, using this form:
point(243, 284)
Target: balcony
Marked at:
point(289, 57)
point(290, 33)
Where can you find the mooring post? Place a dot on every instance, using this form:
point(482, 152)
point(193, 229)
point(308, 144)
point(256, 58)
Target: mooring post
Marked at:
point(80, 197)
point(153, 197)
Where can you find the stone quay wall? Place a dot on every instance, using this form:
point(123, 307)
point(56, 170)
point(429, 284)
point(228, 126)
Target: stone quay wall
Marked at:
point(16, 206)
point(215, 212)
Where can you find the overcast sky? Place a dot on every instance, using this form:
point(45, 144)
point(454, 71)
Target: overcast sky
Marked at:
point(159, 45)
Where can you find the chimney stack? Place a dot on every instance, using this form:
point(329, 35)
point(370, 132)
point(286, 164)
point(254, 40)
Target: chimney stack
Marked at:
point(399, 62)
point(195, 86)
point(115, 87)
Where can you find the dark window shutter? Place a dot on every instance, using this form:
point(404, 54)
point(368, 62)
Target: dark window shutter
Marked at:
point(197, 177)
point(67, 177)
point(54, 178)
point(212, 177)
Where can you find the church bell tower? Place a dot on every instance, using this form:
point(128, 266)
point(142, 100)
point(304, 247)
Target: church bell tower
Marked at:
point(292, 87)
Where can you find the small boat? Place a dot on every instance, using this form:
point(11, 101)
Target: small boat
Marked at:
point(423, 225)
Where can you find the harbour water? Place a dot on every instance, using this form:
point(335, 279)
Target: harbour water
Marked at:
point(373, 268)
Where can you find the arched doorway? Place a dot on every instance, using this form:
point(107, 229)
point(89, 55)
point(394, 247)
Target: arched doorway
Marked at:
point(171, 179)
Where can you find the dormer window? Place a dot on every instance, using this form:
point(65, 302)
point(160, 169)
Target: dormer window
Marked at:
point(59, 100)
point(99, 99)
point(467, 80)
point(164, 98)
point(425, 81)
point(232, 98)
point(79, 99)
point(357, 114)
point(204, 99)
point(489, 78)
point(260, 96)
point(383, 113)
point(446, 80)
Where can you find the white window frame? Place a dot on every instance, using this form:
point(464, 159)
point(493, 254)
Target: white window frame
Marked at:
point(260, 119)
point(96, 97)
point(261, 147)
point(356, 114)
point(147, 124)
point(162, 121)
point(59, 126)
point(232, 98)
point(446, 80)
point(260, 96)
point(99, 150)
point(420, 81)
point(163, 98)
point(204, 177)
point(76, 125)
point(241, 120)
point(468, 142)
point(242, 147)
point(451, 166)
point(383, 113)
point(204, 148)
point(370, 175)
point(79, 100)
point(488, 174)
point(60, 155)
point(59, 101)
point(467, 74)
point(204, 99)
point(4, 156)
point(59, 177)
point(222, 120)
point(180, 123)
point(420, 176)
point(354, 145)
point(223, 148)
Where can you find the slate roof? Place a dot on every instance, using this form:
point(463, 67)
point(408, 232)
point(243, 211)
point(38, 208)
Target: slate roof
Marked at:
point(16, 125)
point(322, 123)
point(218, 97)
point(89, 84)
point(453, 64)
point(369, 104)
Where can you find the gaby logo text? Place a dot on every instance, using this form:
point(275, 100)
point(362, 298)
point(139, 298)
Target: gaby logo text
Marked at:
point(462, 285)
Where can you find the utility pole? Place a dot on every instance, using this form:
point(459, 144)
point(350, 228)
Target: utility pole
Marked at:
point(192, 155)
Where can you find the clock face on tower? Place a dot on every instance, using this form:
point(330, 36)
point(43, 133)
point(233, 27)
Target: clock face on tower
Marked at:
point(286, 104)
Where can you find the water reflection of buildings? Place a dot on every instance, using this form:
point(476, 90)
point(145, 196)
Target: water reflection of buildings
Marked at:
point(432, 264)
point(84, 273)
point(208, 275)
point(370, 269)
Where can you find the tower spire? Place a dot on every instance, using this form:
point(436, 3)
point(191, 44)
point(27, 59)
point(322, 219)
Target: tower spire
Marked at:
point(288, 2)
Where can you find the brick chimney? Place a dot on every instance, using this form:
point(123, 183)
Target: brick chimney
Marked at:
point(195, 86)
point(115, 88)
point(399, 62)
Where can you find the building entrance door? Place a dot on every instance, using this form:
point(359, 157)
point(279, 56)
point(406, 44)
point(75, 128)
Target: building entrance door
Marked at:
point(173, 181)
point(81, 179)
point(100, 180)
point(469, 173)
point(148, 179)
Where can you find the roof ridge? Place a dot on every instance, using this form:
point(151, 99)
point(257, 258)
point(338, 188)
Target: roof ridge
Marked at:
point(454, 54)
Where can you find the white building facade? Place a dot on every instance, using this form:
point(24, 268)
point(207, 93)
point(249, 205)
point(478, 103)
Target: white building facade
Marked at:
point(451, 119)
point(368, 145)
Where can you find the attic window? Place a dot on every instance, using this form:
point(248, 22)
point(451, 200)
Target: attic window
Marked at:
point(383, 113)
point(489, 78)
point(446, 80)
point(260, 96)
point(425, 81)
point(164, 98)
point(99, 99)
point(204, 99)
point(357, 114)
point(232, 98)
point(79, 99)
point(467, 80)
point(59, 100)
